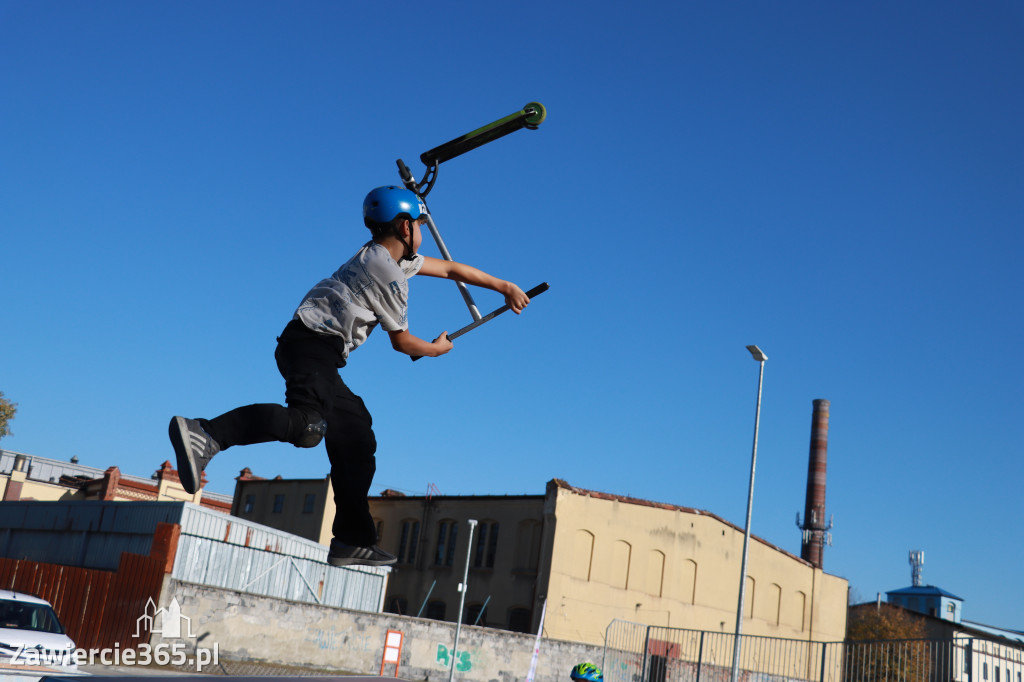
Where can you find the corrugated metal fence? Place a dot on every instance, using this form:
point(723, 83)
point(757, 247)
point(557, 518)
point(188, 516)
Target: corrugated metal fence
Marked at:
point(641, 653)
point(224, 551)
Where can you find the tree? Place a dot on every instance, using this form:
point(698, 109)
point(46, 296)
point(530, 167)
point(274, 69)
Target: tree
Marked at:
point(883, 622)
point(7, 410)
point(886, 642)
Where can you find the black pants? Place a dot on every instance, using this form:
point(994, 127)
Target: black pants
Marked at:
point(309, 363)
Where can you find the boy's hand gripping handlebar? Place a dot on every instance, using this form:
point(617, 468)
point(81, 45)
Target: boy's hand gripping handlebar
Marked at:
point(536, 291)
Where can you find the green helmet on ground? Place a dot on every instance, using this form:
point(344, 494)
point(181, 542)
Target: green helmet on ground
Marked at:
point(588, 672)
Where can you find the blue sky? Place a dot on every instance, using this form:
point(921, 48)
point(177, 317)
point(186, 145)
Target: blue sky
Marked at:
point(841, 184)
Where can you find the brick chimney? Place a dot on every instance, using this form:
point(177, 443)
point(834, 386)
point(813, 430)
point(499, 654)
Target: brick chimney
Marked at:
point(815, 526)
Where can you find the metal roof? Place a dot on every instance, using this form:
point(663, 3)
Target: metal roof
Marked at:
point(925, 591)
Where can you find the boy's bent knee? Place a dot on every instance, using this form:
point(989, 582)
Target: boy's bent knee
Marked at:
point(307, 428)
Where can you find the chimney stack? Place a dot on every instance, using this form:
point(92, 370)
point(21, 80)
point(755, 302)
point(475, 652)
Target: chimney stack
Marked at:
point(815, 526)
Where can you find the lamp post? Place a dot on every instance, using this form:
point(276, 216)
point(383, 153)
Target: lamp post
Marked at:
point(758, 355)
point(462, 600)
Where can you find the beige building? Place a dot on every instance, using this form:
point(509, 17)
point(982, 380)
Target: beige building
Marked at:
point(29, 477)
point(593, 556)
point(301, 506)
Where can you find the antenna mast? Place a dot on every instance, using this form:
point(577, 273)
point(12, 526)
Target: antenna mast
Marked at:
point(916, 564)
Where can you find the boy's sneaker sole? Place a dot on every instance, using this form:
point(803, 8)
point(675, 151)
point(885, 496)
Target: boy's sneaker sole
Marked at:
point(185, 443)
point(350, 555)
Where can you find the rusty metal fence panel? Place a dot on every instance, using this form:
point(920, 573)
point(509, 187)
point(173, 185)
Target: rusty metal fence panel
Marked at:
point(640, 653)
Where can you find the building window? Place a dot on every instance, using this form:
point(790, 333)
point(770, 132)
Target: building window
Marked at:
point(486, 545)
point(476, 614)
point(655, 572)
point(309, 503)
point(519, 620)
point(278, 504)
point(250, 503)
point(436, 610)
point(984, 671)
point(447, 533)
point(622, 553)
point(582, 554)
point(527, 555)
point(399, 605)
point(409, 541)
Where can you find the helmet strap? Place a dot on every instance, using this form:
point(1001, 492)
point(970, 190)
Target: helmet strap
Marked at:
point(410, 252)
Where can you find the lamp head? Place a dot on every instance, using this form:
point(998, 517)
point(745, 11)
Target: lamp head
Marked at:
point(757, 353)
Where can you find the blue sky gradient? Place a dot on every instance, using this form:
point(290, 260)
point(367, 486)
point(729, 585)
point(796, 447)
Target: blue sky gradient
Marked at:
point(840, 184)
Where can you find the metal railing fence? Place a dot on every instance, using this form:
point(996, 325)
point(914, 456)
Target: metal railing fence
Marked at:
point(640, 653)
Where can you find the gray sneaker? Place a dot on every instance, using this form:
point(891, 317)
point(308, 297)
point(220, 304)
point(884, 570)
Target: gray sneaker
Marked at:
point(342, 554)
point(194, 449)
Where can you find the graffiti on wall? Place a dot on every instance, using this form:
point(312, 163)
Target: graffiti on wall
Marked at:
point(463, 659)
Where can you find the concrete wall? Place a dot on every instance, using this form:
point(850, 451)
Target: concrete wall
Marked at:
point(252, 628)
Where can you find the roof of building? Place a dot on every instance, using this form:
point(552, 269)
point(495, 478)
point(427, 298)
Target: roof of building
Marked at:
point(59, 472)
point(964, 627)
point(924, 591)
point(1005, 633)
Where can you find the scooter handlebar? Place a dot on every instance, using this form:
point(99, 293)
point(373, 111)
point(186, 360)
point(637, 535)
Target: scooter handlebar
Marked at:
point(530, 116)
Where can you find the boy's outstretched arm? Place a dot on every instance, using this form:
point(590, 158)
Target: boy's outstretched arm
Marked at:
point(460, 272)
point(410, 344)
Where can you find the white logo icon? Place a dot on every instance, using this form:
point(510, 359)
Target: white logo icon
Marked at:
point(166, 622)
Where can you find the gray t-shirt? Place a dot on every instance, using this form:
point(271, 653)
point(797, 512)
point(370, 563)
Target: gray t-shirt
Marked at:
point(370, 289)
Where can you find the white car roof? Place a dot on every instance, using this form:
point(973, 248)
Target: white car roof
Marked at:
point(11, 595)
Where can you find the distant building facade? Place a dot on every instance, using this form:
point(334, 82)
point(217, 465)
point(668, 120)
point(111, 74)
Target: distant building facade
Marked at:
point(303, 507)
point(962, 651)
point(929, 600)
point(29, 477)
point(592, 556)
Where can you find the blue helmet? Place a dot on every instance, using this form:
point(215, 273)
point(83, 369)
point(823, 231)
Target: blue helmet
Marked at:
point(384, 204)
point(587, 672)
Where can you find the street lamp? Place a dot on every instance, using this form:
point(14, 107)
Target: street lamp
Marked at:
point(758, 355)
point(463, 586)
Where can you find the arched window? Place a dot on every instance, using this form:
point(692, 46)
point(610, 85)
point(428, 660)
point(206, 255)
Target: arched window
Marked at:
point(688, 584)
point(519, 619)
point(528, 538)
point(476, 614)
point(486, 545)
point(582, 554)
point(447, 534)
point(655, 572)
point(409, 541)
point(773, 604)
point(622, 553)
point(436, 610)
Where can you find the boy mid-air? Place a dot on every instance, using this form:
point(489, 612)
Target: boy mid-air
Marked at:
point(333, 319)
